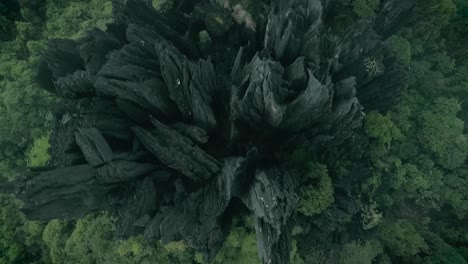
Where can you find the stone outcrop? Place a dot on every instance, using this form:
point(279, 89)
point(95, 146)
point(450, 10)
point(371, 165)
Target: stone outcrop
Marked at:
point(166, 133)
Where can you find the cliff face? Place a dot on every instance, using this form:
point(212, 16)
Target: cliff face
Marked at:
point(165, 130)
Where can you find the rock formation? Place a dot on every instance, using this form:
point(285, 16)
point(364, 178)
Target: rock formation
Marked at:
point(165, 130)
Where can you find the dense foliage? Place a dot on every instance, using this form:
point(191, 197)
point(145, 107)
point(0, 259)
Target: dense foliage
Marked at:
point(407, 170)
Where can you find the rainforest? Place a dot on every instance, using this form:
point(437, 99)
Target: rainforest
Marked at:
point(234, 131)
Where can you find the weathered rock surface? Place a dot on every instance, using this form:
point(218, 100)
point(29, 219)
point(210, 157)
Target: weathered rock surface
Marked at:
point(168, 132)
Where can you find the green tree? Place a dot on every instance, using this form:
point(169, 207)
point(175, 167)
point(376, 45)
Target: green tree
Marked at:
point(454, 192)
point(162, 5)
point(358, 252)
point(318, 195)
point(294, 256)
point(239, 248)
point(381, 130)
point(401, 48)
point(71, 19)
point(38, 155)
point(365, 8)
point(442, 133)
point(430, 17)
point(441, 252)
point(92, 240)
point(55, 236)
point(402, 239)
point(19, 239)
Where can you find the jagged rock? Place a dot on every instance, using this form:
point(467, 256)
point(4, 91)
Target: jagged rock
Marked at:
point(296, 74)
point(134, 112)
point(196, 134)
point(105, 116)
point(272, 196)
point(133, 74)
point(255, 102)
point(168, 132)
point(191, 85)
point(142, 13)
point(124, 171)
point(272, 243)
point(95, 47)
point(288, 38)
point(76, 193)
point(177, 152)
point(345, 89)
point(77, 85)
point(136, 210)
point(61, 59)
point(196, 217)
point(309, 107)
point(94, 147)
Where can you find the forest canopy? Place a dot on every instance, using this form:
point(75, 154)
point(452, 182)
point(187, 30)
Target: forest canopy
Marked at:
point(234, 131)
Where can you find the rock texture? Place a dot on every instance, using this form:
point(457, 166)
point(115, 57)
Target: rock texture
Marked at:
point(166, 131)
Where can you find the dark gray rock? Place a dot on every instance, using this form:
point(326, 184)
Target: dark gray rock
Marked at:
point(133, 74)
point(79, 84)
point(95, 47)
point(191, 85)
point(273, 199)
point(76, 193)
point(177, 152)
point(94, 147)
point(196, 134)
point(135, 211)
point(255, 101)
point(123, 171)
point(197, 217)
point(272, 243)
